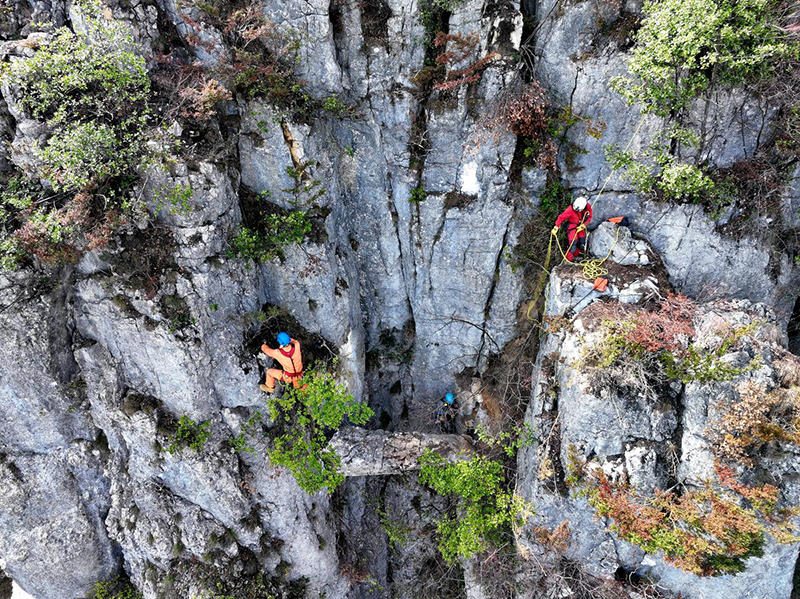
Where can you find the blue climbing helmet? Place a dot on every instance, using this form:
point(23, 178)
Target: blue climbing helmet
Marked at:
point(449, 399)
point(284, 339)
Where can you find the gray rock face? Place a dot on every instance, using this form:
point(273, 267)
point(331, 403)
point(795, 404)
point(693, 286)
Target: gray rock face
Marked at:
point(53, 512)
point(791, 202)
point(616, 244)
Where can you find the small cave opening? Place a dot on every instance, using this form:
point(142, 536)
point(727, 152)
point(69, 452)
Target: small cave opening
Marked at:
point(793, 329)
point(264, 326)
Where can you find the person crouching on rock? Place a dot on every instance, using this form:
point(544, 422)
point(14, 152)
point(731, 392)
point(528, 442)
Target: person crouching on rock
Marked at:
point(446, 414)
point(577, 216)
point(290, 357)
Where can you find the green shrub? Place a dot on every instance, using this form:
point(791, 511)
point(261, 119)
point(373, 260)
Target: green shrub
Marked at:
point(80, 153)
point(484, 510)
point(683, 50)
point(115, 588)
point(10, 253)
point(702, 366)
point(92, 90)
point(642, 352)
point(189, 434)
point(280, 230)
point(508, 441)
point(684, 46)
point(418, 194)
point(306, 417)
point(658, 173)
point(177, 199)
point(708, 530)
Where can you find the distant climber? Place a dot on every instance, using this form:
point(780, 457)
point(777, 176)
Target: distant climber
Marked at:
point(445, 416)
point(577, 216)
point(290, 357)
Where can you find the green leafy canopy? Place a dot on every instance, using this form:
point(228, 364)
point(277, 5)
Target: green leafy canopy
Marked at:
point(684, 45)
point(484, 508)
point(306, 416)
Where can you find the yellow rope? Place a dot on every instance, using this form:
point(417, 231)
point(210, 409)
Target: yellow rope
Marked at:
point(593, 267)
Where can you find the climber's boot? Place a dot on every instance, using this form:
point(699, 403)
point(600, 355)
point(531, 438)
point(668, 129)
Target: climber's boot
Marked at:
point(266, 389)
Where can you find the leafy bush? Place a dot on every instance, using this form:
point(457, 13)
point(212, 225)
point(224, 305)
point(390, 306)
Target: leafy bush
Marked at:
point(189, 434)
point(702, 366)
point(418, 194)
point(116, 588)
point(10, 253)
point(684, 46)
point(306, 416)
point(92, 89)
point(80, 154)
point(484, 510)
point(680, 180)
point(280, 230)
point(683, 50)
point(177, 199)
point(507, 441)
point(659, 174)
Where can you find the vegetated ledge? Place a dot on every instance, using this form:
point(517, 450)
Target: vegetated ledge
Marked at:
point(379, 453)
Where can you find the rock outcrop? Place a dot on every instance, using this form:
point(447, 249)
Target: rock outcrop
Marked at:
point(379, 453)
point(651, 439)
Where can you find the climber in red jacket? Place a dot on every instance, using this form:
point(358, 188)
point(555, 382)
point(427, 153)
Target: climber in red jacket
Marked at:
point(577, 216)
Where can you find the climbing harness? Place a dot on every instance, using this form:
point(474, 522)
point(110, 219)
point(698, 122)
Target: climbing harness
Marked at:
point(289, 354)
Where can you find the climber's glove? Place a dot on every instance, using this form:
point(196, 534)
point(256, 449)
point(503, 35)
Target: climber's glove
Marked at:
point(554, 231)
point(581, 228)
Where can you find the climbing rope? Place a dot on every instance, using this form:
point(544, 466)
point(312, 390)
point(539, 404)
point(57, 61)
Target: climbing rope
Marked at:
point(592, 267)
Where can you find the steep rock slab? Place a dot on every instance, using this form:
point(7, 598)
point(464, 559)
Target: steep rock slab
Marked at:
point(41, 392)
point(54, 541)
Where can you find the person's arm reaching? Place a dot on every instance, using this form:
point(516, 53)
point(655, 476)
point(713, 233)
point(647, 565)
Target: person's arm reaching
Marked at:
point(272, 353)
point(561, 218)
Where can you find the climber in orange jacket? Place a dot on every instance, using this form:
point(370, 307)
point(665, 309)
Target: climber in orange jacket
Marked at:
point(290, 357)
point(577, 216)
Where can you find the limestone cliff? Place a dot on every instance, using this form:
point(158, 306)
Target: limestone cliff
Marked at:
point(415, 274)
